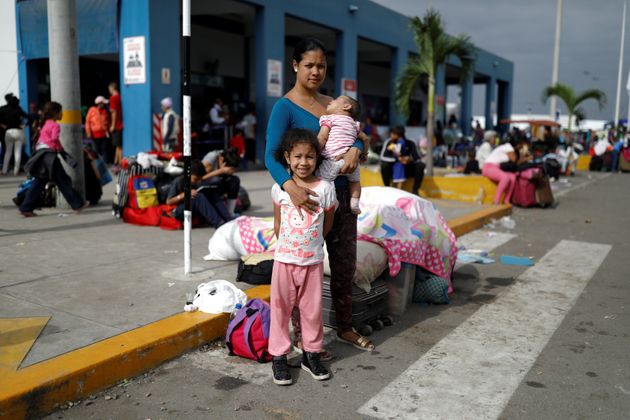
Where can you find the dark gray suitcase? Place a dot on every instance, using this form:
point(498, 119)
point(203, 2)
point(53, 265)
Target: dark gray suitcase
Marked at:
point(369, 310)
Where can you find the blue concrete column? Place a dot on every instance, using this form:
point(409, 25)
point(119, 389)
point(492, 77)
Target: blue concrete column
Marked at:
point(345, 58)
point(400, 57)
point(490, 104)
point(504, 103)
point(466, 106)
point(440, 91)
point(158, 21)
point(269, 46)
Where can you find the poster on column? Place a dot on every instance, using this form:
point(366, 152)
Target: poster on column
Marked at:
point(349, 88)
point(274, 78)
point(134, 60)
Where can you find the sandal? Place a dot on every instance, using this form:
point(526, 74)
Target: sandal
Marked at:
point(324, 355)
point(360, 343)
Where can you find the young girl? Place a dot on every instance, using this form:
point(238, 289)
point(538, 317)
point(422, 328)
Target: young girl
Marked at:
point(339, 130)
point(44, 165)
point(298, 267)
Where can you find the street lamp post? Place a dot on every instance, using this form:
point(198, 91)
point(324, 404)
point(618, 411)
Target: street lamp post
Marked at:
point(556, 59)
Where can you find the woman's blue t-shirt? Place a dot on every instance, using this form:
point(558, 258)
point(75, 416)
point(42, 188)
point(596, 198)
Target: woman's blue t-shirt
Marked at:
point(284, 115)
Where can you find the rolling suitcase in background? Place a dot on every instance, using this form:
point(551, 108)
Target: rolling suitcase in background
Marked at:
point(369, 310)
point(544, 195)
point(525, 189)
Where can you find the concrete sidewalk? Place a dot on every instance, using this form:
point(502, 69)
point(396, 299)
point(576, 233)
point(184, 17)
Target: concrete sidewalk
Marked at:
point(98, 278)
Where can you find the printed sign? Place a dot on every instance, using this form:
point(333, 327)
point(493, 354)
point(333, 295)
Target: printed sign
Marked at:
point(134, 57)
point(349, 88)
point(274, 78)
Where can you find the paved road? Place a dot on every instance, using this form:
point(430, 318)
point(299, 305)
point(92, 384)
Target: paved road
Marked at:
point(545, 342)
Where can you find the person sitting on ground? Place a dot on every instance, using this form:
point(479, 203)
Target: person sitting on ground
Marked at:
point(492, 169)
point(220, 166)
point(238, 142)
point(339, 129)
point(207, 206)
point(170, 126)
point(472, 164)
point(412, 164)
point(45, 165)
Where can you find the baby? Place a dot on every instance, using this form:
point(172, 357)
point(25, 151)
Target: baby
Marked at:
point(339, 130)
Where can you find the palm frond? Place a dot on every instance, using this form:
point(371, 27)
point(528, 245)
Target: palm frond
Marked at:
point(406, 83)
point(564, 92)
point(595, 94)
point(461, 47)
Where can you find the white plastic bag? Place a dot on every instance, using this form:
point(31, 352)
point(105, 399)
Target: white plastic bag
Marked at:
point(217, 296)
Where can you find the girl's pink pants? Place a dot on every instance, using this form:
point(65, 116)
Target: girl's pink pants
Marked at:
point(296, 286)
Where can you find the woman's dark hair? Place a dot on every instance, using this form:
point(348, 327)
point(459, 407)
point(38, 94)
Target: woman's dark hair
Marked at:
point(51, 109)
point(306, 45)
point(293, 137)
point(231, 157)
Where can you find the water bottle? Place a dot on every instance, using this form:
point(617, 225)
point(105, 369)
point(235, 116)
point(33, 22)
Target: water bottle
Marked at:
point(235, 310)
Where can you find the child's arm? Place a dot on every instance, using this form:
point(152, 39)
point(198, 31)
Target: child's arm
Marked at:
point(276, 220)
point(322, 136)
point(366, 141)
point(329, 217)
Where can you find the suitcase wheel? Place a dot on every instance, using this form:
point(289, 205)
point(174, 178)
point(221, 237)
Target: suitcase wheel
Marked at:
point(366, 330)
point(388, 320)
point(377, 324)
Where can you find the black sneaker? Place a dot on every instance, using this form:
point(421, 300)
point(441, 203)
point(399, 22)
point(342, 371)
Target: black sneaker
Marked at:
point(311, 364)
point(280, 368)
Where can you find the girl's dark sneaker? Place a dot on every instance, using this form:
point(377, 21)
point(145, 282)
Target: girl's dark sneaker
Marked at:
point(280, 368)
point(312, 364)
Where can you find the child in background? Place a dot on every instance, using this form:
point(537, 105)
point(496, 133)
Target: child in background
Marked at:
point(298, 261)
point(44, 165)
point(339, 130)
point(398, 148)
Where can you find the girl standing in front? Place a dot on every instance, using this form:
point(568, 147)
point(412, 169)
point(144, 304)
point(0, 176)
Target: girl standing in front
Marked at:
point(45, 165)
point(298, 261)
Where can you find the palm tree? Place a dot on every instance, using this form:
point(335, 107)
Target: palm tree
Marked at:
point(434, 48)
point(571, 100)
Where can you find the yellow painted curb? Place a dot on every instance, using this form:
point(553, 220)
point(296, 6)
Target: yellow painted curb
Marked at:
point(70, 116)
point(40, 388)
point(465, 224)
point(469, 188)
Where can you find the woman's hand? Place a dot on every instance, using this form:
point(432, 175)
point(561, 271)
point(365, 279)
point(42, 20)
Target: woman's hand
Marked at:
point(300, 197)
point(350, 160)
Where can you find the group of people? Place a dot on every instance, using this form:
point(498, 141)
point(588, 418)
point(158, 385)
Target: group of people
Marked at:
point(104, 125)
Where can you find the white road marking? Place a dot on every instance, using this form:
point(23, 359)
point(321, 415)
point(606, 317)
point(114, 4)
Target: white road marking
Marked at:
point(578, 186)
point(473, 372)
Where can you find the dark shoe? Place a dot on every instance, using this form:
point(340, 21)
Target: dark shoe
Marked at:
point(280, 368)
point(312, 364)
point(28, 213)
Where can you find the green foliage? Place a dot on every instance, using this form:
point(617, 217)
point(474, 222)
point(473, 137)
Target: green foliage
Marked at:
point(571, 100)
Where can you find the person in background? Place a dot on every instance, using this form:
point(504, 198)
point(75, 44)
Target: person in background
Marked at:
point(170, 125)
point(506, 180)
point(45, 165)
point(484, 150)
point(202, 205)
point(12, 119)
point(116, 127)
point(248, 125)
point(411, 162)
point(220, 166)
point(97, 123)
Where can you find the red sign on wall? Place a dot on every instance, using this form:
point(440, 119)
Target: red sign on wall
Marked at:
point(349, 88)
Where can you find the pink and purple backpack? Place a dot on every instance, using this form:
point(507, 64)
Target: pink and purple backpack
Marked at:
point(248, 332)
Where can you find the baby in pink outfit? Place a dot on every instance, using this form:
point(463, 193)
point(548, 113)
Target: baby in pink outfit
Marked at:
point(339, 129)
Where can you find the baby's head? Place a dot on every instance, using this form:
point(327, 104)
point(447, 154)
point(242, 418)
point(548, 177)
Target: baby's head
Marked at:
point(344, 105)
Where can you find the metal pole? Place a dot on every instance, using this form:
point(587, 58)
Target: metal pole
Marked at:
point(64, 85)
point(623, 35)
point(628, 117)
point(556, 59)
point(187, 146)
